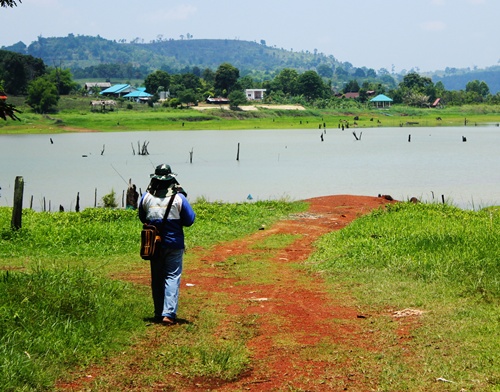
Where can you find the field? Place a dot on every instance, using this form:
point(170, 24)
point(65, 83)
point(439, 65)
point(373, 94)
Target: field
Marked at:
point(75, 115)
point(327, 294)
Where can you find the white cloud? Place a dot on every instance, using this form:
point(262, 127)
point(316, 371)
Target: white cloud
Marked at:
point(433, 25)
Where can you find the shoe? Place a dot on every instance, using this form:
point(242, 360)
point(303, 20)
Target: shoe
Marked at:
point(168, 321)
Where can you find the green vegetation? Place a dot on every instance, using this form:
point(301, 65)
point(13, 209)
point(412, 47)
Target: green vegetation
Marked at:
point(95, 57)
point(436, 259)
point(327, 90)
point(64, 308)
point(65, 305)
point(55, 320)
point(75, 114)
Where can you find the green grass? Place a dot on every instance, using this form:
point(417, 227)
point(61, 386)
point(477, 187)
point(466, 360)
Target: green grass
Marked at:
point(434, 258)
point(61, 308)
point(55, 320)
point(74, 113)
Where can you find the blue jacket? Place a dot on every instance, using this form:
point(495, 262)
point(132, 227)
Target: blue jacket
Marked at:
point(152, 209)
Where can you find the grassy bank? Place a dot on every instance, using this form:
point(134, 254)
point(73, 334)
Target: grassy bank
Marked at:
point(64, 306)
point(434, 260)
point(75, 115)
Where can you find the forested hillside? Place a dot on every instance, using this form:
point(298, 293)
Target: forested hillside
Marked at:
point(456, 80)
point(96, 57)
point(170, 55)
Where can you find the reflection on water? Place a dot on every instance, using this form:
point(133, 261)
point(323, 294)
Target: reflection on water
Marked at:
point(295, 164)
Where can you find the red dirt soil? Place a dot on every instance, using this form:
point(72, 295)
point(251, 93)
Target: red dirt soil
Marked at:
point(307, 314)
point(294, 315)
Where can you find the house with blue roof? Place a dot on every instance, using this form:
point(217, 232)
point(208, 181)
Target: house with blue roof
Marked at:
point(138, 95)
point(381, 101)
point(117, 90)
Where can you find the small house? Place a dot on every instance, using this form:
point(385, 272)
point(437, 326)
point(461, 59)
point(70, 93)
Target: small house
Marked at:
point(99, 85)
point(217, 101)
point(118, 90)
point(139, 95)
point(255, 94)
point(352, 95)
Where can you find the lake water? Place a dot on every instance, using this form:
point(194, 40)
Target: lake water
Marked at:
point(272, 164)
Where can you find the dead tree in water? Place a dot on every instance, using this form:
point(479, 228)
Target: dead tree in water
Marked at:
point(144, 149)
point(141, 150)
point(356, 136)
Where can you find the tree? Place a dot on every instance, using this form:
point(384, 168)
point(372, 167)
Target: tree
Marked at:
point(325, 70)
point(286, 81)
point(310, 85)
point(42, 95)
point(156, 80)
point(359, 73)
point(244, 83)
point(236, 98)
point(63, 79)
point(9, 3)
point(341, 72)
point(187, 96)
point(17, 70)
point(226, 77)
point(351, 87)
point(415, 90)
point(478, 87)
point(417, 99)
point(208, 75)
point(370, 73)
point(413, 81)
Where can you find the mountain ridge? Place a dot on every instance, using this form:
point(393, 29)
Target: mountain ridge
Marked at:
point(251, 58)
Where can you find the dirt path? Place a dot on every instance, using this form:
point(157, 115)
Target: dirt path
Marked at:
point(296, 315)
point(305, 334)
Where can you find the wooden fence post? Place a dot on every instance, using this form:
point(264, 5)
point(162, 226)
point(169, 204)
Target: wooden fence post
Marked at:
point(17, 210)
point(77, 207)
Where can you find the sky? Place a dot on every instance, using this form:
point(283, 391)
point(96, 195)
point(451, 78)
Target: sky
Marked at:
point(419, 35)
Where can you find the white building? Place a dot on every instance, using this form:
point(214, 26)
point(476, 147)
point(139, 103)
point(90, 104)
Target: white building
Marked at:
point(255, 94)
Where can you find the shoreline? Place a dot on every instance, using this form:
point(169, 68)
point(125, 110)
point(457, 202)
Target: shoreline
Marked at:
point(254, 116)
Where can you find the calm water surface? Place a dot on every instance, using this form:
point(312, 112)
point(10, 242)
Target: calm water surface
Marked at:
point(273, 164)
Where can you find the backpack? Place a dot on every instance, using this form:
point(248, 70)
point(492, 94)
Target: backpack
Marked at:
point(151, 236)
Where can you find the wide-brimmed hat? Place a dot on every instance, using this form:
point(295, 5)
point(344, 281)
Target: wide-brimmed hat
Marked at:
point(163, 172)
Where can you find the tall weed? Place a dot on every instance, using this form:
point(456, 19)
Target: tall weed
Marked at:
point(439, 260)
point(428, 242)
point(53, 320)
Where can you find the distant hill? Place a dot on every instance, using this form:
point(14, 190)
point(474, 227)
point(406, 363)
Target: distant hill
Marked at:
point(251, 58)
point(171, 55)
point(457, 79)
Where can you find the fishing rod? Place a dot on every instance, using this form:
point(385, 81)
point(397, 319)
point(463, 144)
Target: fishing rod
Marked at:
point(125, 181)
